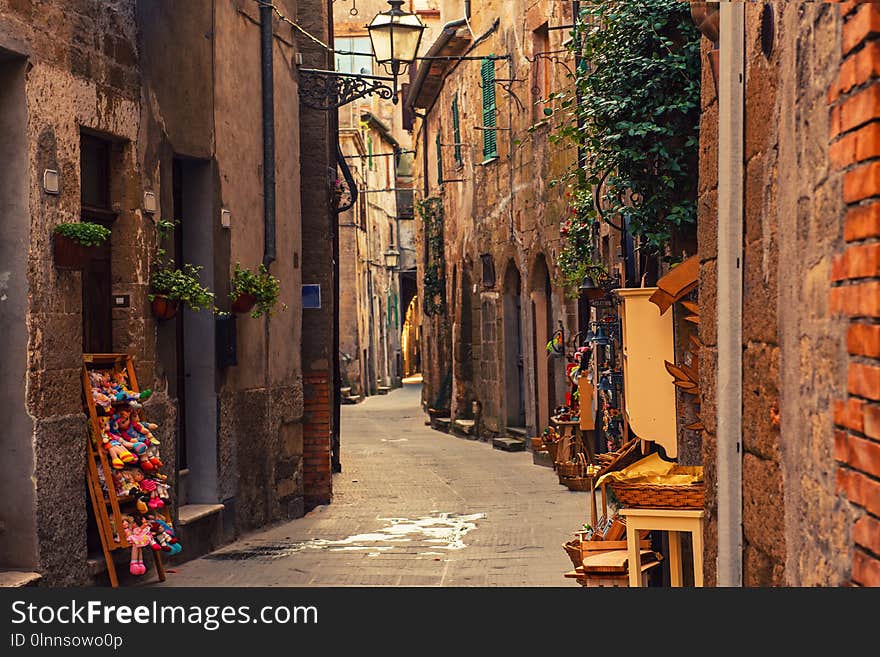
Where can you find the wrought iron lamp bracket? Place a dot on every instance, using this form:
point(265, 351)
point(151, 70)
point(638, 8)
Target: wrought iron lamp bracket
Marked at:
point(329, 90)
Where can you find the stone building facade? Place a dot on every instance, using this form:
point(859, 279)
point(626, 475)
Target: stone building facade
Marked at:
point(498, 301)
point(370, 324)
point(101, 93)
point(376, 139)
point(810, 377)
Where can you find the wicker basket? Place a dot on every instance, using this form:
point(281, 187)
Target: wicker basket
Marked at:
point(659, 496)
point(575, 483)
point(538, 444)
point(552, 449)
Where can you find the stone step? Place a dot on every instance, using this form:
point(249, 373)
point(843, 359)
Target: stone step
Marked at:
point(441, 423)
point(464, 427)
point(345, 392)
point(200, 530)
point(383, 390)
point(350, 399)
point(509, 444)
point(14, 579)
point(518, 432)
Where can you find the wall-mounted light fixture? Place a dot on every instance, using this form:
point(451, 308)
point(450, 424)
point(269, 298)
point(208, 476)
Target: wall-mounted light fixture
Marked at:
point(225, 218)
point(51, 181)
point(392, 258)
point(150, 205)
point(395, 36)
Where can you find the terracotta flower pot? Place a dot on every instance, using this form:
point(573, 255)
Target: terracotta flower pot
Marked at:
point(243, 303)
point(70, 254)
point(163, 307)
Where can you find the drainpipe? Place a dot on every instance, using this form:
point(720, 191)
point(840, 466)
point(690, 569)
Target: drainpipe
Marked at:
point(268, 83)
point(729, 297)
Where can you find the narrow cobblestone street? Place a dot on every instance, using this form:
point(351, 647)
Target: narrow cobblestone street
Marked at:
point(412, 507)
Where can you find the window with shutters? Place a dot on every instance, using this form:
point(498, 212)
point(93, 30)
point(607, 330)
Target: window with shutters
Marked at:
point(439, 160)
point(456, 131)
point(490, 139)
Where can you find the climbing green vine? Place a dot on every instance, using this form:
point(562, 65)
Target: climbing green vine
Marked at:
point(636, 118)
point(434, 281)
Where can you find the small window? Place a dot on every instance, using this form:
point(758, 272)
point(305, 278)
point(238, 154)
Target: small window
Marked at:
point(439, 160)
point(490, 142)
point(540, 71)
point(456, 131)
point(488, 264)
point(358, 58)
point(95, 172)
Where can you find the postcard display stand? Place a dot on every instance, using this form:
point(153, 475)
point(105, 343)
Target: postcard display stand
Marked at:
point(128, 495)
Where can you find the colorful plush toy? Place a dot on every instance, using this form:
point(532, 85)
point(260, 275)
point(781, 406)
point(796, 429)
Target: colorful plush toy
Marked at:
point(135, 442)
point(137, 531)
point(168, 529)
point(119, 455)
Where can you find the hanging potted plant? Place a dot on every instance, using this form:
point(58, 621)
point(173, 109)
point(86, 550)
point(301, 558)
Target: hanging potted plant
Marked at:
point(74, 243)
point(254, 292)
point(174, 286)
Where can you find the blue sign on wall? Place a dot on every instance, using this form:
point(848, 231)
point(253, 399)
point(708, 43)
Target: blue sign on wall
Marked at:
point(311, 296)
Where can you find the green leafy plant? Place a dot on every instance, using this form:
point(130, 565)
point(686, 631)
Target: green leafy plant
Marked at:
point(264, 287)
point(633, 111)
point(181, 285)
point(434, 281)
point(85, 233)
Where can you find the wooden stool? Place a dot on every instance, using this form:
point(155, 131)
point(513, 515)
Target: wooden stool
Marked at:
point(672, 521)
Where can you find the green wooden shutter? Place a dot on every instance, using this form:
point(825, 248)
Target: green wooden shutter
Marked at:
point(456, 130)
point(490, 142)
point(439, 160)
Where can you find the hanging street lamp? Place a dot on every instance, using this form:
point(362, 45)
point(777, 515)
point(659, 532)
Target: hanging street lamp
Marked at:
point(395, 36)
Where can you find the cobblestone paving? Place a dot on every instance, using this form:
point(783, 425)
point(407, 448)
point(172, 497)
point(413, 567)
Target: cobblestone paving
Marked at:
point(412, 507)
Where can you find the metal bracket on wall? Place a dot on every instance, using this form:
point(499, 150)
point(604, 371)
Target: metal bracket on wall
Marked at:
point(328, 90)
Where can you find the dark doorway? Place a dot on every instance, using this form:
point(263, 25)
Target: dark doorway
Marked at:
point(542, 332)
point(177, 195)
point(193, 195)
point(514, 374)
point(96, 207)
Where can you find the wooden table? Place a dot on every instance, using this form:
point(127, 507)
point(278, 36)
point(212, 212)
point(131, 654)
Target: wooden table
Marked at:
point(672, 521)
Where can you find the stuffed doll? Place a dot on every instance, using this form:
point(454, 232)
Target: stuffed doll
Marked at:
point(119, 455)
point(120, 423)
point(141, 497)
point(173, 541)
point(143, 427)
point(161, 538)
point(137, 531)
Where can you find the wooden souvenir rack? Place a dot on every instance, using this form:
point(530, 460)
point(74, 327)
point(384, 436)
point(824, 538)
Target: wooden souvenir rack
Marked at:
point(106, 503)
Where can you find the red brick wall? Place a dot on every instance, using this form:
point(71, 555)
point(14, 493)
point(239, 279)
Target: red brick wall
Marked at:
point(317, 482)
point(855, 275)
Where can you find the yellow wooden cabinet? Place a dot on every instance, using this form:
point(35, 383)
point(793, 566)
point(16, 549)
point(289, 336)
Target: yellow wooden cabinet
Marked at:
point(648, 391)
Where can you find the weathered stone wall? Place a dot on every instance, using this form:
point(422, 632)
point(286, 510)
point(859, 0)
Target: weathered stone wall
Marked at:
point(87, 70)
point(504, 209)
point(318, 137)
point(795, 527)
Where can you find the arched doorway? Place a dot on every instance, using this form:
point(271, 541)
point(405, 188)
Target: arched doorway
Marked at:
point(410, 346)
point(464, 348)
point(514, 374)
point(540, 293)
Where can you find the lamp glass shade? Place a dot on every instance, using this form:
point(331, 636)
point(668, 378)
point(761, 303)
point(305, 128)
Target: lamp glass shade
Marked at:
point(392, 257)
point(395, 35)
